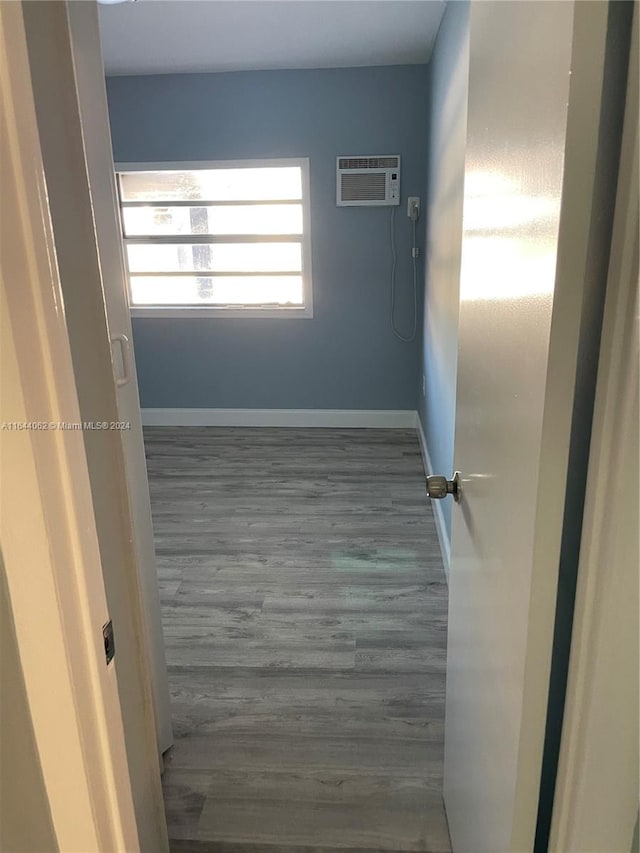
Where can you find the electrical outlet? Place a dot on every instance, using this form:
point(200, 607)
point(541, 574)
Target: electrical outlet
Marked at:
point(413, 207)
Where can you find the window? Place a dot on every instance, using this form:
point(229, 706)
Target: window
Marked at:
point(223, 238)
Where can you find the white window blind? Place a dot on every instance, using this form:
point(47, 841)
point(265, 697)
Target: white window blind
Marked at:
point(219, 238)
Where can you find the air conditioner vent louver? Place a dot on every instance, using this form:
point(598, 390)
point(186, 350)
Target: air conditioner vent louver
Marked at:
point(364, 187)
point(368, 181)
point(368, 162)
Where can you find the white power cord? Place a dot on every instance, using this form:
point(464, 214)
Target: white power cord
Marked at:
point(394, 256)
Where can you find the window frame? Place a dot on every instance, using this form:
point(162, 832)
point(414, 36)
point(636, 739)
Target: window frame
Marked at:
point(304, 311)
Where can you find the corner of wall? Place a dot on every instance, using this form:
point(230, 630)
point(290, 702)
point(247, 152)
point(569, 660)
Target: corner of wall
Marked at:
point(447, 99)
point(441, 527)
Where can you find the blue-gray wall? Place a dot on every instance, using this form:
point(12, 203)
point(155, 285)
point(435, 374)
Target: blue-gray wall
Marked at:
point(346, 357)
point(445, 182)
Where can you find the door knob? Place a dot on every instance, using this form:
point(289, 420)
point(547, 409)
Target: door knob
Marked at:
point(439, 487)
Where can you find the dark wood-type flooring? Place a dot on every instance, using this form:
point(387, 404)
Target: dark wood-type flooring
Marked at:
point(305, 617)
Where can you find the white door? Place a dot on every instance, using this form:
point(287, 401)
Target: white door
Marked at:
point(532, 142)
point(92, 103)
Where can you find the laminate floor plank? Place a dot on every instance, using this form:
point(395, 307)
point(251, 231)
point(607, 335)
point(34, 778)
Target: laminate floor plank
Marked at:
point(305, 613)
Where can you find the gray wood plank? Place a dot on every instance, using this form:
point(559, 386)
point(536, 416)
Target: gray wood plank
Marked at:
point(304, 609)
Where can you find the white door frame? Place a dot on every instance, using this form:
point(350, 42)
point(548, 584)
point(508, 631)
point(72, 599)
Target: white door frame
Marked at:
point(50, 546)
point(51, 554)
point(91, 94)
point(67, 76)
point(596, 796)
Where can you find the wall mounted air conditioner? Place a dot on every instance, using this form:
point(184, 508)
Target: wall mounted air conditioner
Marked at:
point(368, 181)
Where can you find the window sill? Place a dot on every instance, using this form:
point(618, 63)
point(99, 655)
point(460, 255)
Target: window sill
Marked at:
point(217, 313)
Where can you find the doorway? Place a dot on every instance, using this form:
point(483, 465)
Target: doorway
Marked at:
point(260, 641)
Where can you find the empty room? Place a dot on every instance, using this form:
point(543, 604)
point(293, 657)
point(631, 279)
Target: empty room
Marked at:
point(318, 325)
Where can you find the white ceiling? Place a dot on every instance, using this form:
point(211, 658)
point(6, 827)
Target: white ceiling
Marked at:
point(178, 36)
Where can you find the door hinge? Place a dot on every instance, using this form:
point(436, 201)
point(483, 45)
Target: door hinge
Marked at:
point(109, 642)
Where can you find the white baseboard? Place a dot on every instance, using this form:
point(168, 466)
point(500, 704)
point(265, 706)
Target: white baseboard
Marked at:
point(336, 418)
point(441, 530)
